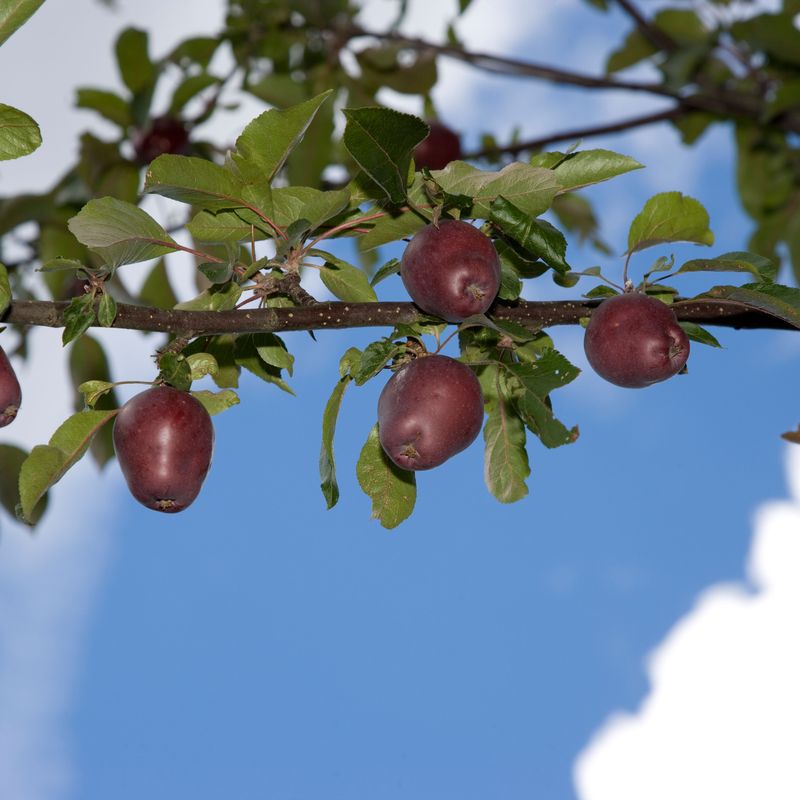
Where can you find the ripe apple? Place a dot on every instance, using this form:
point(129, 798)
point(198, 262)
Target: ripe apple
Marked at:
point(451, 270)
point(10, 392)
point(164, 439)
point(634, 340)
point(430, 409)
point(438, 149)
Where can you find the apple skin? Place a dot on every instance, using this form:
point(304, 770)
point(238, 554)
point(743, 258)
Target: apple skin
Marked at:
point(10, 391)
point(451, 271)
point(164, 439)
point(441, 146)
point(429, 410)
point(164, 135)
point(633, 340)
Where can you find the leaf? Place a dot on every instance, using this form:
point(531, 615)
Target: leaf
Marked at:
point(175, 370)
point(505, 460)
point(764, 269)
point(782, 302)
point(669, 217)
point(347, 282)
point(699, 334)
point(92, 391)
point(202, 364)
point(327, 464)
point(391, 228)
point(156, 290)
point(381, 141)
point(588, 167)
point(11, 460)
point(247, 356)
point(268, 140)
point(46, 464)
point(120, 232)
point(79, 316)
point(189, 88)
point(393, 491)
point(135, 67)
point(216, 402)
point(109, 105)
point(634, 49)
point(106, 310)
point(14, 14)
point(19, 133)
point(374, 358)
point(292, 203)
point(537, 236)
point(221, 297)
point(5, 289)
point(391, 267)
point(776, 34)
point(272, 350)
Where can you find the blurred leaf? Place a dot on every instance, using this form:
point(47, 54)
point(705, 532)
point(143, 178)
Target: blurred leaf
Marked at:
point(393, 491)
point(381, 141)
point(764, 269)
point(635, 48)
point(5, 289)
point(669, 217)
point(14, 14)
point(327, 464)
point(156, 290)
point(119, 232)
point(782, 302)
point(107, 104)
point(775, 34)
point(47, 464)
point(188, 89)
point(19, 133)
point(135, 68)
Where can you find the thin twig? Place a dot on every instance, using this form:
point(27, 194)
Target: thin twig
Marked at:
point(658, 38)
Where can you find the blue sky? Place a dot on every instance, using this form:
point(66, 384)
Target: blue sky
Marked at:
point(257, 646)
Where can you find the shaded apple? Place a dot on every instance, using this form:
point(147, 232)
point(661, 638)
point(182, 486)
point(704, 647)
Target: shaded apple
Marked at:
point(634, 340)
point(164, 439)
point(164, 135)
point(10, 392)
point(441, 146)
point(451, 270)
point(430, 409)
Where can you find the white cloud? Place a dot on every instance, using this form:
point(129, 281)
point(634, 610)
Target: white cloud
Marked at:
point(723, 716)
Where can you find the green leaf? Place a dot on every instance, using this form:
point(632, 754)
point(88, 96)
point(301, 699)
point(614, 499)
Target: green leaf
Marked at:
point(106, 310)
point(775, 34)
point(292, 203)
point(381, 141)
point(537, 236)
point(391, 267)
point(247, 356)
point(46, 464)
point(107, 104)
point(5, 289)
point(588, 167)
point(347, 282)
point(156, 290)
point(19, 133)
point(60, 264)
point(393, 491)
point(14, 14)
point(374, 358)
point(505, 457)
point(202, 364)
point(268, 140)
point(175, 370)
point(327, 464)
point(216, 402)
point(782, 302)
point(92, 391)
point(272, 350)
point(136, 69)
point(224, 226)
point(78, 317)
point(189, 88)
point(634, 49)
point(391, 228)
point(11, 460)
point(669, 217)
point(120, 232)
point(699, 334)
point(764, 269)
point(220, 297)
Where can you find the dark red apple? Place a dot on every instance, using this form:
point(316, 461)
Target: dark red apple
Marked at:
point(451, 270)
point(164, 439)
point(164, 135)
point(430, 409)
point(634, 340)
point(438, 149)
point(10, 392)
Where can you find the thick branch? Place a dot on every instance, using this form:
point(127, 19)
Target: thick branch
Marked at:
point(724, 313)
point(581, 133)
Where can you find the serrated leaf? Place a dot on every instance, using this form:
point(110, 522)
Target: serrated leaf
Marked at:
point(106, 310)
point(347, 282)
point(136, 69)
point(293, 203)
point(349, 362)
point(202, 364)
point(19, 133)
point(46, 464)
point(764, 269)
point(588, 167)
point(327, 464)
point(14, 14)
point(537, 236)
point(669, 217)
point(109, 105)
point(216, 402)
point(373, 359)
point(174, 369)
point(505, 457)
point(699, 334)
point(381, 141)
point(120, 232)
point(11, 460)
point(780, 301)
point(268, 140)
point(78, 317)
point(393, 491)
point(5, 289)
